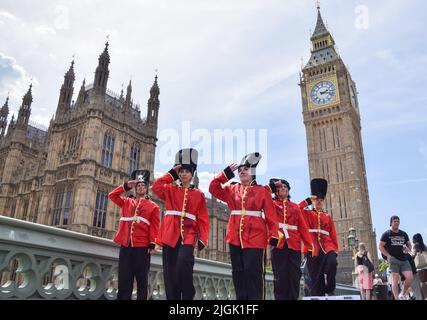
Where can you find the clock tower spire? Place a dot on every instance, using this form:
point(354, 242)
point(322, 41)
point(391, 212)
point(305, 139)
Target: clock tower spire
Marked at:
point(334, 144)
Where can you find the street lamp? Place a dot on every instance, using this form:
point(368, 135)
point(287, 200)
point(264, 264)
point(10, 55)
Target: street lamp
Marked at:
point(353, 243)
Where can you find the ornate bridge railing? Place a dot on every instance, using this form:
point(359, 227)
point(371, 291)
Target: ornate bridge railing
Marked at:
point(43, 262)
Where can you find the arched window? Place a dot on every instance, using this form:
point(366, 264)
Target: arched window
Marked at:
point(67, 208)
point(100, 209)
point(107, 150)
point(134, 158)
point(62, 206)
point(25, 210)
point(57, 208)
point(72, 141)
point(13, 209)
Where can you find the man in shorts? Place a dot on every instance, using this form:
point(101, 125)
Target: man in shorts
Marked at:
point(394, 246)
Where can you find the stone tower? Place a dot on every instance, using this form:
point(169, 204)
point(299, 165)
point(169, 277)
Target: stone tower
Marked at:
point(62, 176)
point(335, 152)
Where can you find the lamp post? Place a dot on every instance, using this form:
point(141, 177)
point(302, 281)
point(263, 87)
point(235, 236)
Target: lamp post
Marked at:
point(353, 243)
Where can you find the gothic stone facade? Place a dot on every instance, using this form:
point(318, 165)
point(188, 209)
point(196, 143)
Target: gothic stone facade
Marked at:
point(61, 176)
point(335, 152)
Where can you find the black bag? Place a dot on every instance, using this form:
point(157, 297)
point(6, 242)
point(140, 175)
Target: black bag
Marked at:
point(368, 263)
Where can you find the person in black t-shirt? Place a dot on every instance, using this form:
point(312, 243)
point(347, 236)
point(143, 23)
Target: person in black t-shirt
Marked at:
point(394, 246)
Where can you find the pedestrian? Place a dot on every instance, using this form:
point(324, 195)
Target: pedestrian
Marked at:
point(419, 254)
point(364, 270)
point(394, 246)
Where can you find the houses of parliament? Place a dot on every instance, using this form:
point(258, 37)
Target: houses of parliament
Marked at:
point(62, 176)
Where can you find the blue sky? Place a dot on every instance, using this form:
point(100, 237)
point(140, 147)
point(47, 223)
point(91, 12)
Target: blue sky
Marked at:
point(235, 64)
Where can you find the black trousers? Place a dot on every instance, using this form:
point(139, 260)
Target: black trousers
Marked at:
point(178, 265)
point(248, 272)
point(286, 265)
point(133, 264)
point(322, 270)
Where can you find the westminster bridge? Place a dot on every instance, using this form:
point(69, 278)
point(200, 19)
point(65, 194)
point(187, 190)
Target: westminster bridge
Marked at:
point(44, 262)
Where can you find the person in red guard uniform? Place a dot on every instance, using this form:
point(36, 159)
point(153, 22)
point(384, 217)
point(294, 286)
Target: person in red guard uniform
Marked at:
point(185, 224)
point(286, 257)
point(252, 225)
point(137, 232)
point(322, 258)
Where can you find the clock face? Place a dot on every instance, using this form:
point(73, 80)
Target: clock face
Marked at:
point(323, 92)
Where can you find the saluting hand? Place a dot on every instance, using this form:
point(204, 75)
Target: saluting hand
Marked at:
point(233, 167)
point(278, 184)
point(176, 168)
point(132, 183)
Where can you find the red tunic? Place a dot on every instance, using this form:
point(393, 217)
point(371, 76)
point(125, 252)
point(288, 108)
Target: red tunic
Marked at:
point(293, 225)
point(139, 221)
point(183, 201)
point(322, 229)
point(244, 228)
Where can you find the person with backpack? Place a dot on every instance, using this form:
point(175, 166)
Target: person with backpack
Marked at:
point(364, 269)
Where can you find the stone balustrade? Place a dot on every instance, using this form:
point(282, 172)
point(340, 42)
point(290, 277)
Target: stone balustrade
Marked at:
point(43, 262)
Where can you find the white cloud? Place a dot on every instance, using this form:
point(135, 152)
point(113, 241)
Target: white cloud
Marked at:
point(8, 15)
point(45, 30)
point(14, 79)
point(405, 181)
point(205, 179)
point(203, 50)
point(398, 121)
point(388, 57)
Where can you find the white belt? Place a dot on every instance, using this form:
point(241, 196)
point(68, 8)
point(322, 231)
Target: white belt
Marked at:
point(287, 227)
point(180, 213)
point(258, 214)
point(137, 218)
point(319, 230)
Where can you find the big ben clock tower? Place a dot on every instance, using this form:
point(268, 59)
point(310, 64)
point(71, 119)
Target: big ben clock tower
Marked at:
point(335, 152)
